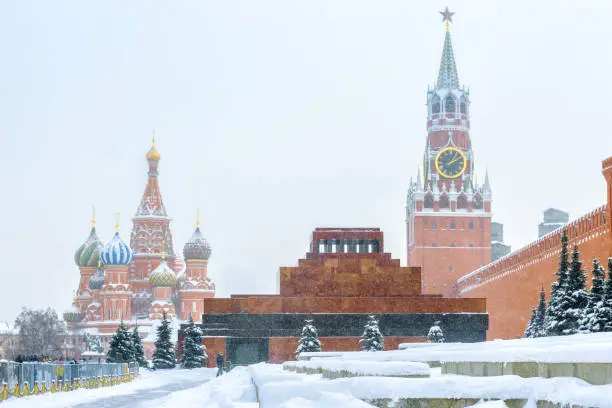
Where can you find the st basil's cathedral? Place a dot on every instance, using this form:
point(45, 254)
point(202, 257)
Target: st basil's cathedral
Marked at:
point(137, 283)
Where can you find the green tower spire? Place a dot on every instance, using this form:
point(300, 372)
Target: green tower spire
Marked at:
point(447, 77)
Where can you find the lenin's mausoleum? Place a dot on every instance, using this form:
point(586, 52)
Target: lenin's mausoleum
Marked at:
point(345, 277)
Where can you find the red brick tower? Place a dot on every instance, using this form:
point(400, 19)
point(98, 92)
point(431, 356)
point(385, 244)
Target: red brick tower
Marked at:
point(116, 292)
point(448, 215)
point(163, 279)
point(194, 285)
point(151, 229)
point(87, 258)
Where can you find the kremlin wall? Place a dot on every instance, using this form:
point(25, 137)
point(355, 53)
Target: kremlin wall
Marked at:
point(512, 284)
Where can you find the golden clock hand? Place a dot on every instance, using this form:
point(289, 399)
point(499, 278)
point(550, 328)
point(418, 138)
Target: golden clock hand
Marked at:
point(454, 160)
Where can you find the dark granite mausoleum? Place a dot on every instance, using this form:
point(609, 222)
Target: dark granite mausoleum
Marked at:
point(345, 277)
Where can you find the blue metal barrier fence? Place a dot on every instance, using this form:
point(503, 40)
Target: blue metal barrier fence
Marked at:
point(28, 378)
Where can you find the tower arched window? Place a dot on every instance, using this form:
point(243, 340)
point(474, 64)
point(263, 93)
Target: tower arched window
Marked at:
point(461, 202)
point(429, 201)
point(444, 201)
point(463, 106)
point(449, 104)
point(435, 104)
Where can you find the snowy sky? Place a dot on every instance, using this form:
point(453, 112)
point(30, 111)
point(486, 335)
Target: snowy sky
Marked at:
point(276, 117)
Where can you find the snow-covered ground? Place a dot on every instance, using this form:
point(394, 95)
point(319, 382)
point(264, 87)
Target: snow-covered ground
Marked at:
point(587, 348)
point(145, 391)
point(278, 388)
point(361, 367)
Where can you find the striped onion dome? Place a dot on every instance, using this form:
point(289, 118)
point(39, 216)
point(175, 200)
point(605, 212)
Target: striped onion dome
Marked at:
point(197, 247)
point(73, 314)
point(96, 280)
point(116, 252)
point(162, 275)
point(88, 253)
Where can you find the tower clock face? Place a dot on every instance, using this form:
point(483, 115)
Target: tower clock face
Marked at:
point(451, 162)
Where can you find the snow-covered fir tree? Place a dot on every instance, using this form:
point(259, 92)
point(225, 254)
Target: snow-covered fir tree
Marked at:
point(535, 328)
point(194, 352)
point(309, 341)
point(120, 349)
point(530, 330)
point(164, 355)
point(137, 349)
point(601, 320)
point(596, 297)
point(435, 334)
point(554, 312)
point(575, 298)
point(372, 339)
point(538, 328)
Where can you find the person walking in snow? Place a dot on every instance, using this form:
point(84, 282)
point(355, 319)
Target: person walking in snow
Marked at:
point(220, 364)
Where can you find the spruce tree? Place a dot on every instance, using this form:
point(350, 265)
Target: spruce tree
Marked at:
point(372, 339)
point(138, 349)
point(530, 330)
point(539, 330)
point(602, 317)
point(554, 313)
point(435, 334)
point(194, 352)
point(164, 356)
point(596, 296)
point(608, 284)
point(120, 349)
point(575, 298)
point(309, 341)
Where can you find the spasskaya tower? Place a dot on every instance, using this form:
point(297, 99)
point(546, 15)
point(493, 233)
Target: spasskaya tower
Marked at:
point(448, 215)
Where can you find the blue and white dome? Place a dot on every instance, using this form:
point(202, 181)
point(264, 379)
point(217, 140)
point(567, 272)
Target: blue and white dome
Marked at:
point(116, 252)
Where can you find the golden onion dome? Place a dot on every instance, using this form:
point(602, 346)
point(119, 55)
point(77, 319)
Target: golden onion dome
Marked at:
point(153, 154)
point(162, 275)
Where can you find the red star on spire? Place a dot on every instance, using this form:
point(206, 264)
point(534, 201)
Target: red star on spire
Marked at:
point(447, 15)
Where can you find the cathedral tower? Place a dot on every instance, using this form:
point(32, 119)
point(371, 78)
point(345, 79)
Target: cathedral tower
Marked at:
point(87, 257)
point(448, 215)
point(195, 285)
point(151, 230)
point(116, 292)
point(163, 280)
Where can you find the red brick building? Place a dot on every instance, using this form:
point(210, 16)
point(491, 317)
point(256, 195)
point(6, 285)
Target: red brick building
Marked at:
point(345, 277)
point(448, 214)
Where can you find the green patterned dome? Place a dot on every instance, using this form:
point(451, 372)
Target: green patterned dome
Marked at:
point(162, 275)
point(88, 253)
